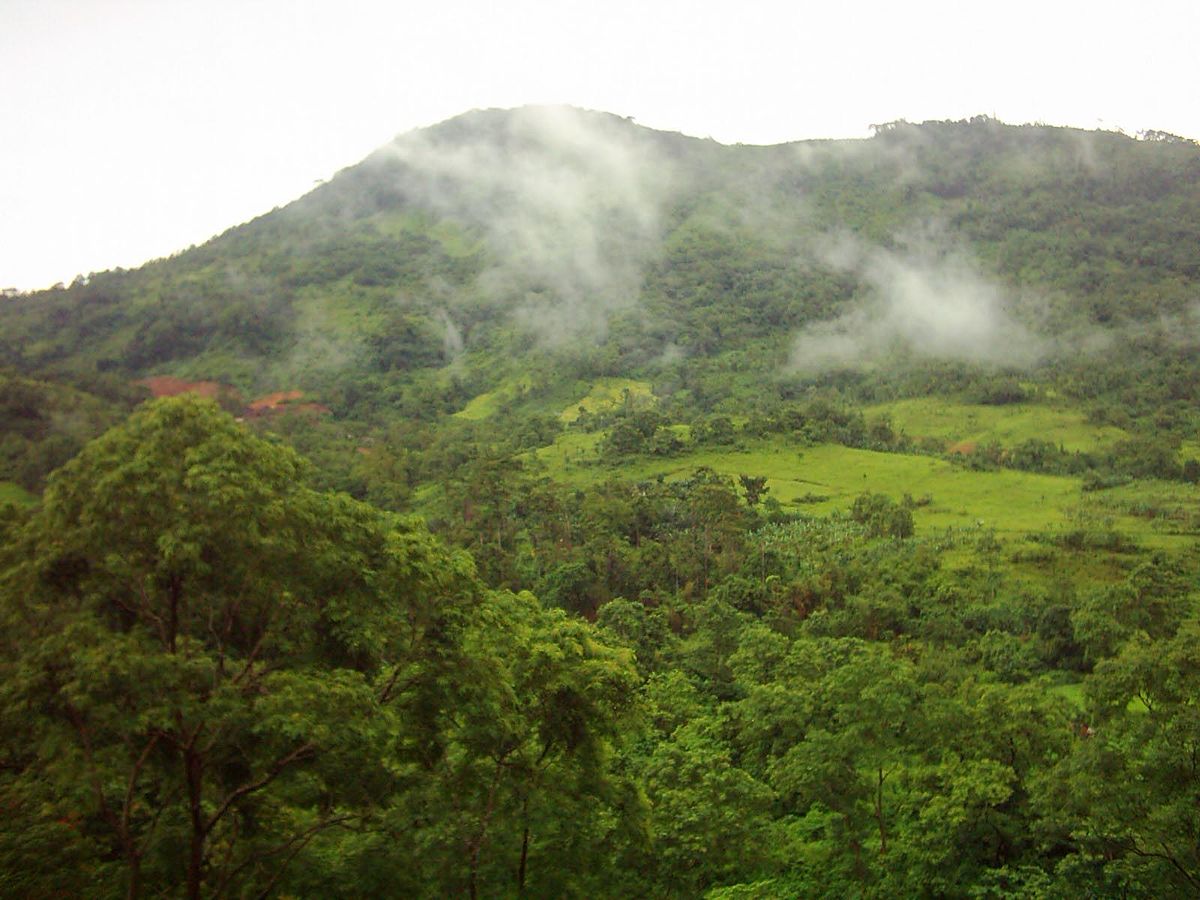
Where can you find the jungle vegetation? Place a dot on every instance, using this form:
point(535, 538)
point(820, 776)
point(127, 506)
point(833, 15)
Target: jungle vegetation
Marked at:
point(580, 510)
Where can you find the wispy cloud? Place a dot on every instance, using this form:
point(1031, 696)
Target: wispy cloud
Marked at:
point(916, 300)
point(570, 201)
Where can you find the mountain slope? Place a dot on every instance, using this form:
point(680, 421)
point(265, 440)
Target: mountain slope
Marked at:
point(837, 504)
point(555, 221)
point(556, 246)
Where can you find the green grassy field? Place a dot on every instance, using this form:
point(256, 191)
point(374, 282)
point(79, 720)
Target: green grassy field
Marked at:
point(489, 403)
point(822, 479)
point(953, 423)
point(454, 240)
point(609, 393)
point(1169, 507)
point(14, 493)
point(1073, 692)
point(605, 394)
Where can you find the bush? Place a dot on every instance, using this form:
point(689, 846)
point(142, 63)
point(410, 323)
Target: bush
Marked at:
point(882, 516)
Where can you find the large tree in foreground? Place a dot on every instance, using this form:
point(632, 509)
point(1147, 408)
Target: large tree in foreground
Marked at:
point(218, 681)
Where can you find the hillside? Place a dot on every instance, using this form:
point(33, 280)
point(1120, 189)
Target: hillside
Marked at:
point(831, 511)
point(552, 247)
point(547, 224)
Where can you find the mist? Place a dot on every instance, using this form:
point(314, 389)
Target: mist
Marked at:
point(917, 300)
point(570, 203)
point(452, 339)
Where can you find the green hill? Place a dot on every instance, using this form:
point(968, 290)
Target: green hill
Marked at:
point(807, 520)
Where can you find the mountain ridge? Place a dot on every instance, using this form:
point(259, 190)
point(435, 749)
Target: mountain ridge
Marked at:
point(583, 245)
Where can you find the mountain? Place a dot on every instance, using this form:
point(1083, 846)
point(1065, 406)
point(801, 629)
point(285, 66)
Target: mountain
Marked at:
point(555, 222)
point(669, 519)
point(575, 245)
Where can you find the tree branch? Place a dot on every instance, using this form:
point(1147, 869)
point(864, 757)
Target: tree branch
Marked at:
point(85, 739)
point(1166, 857)
point(390, 688)
point(258, 784)
point(301, 841)
point(306, 835)
point(127, 807)
point(251, 658)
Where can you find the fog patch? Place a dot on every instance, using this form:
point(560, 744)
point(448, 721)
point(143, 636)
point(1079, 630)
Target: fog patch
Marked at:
point(452, 338)
point(569, 201)
point(671, 354)
point(917, 301)
point(321, 344)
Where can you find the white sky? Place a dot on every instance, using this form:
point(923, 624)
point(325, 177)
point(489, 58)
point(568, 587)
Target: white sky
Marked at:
point(130, 129)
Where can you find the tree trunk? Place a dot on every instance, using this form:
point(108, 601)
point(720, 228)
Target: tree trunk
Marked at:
point(193, 769)
point(524, 849)
point(477, 848)
point(135, 879)
point(879, 814)
point(175, 596)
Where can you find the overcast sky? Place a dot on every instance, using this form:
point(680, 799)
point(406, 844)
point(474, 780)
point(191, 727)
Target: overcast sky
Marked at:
point(134, 128)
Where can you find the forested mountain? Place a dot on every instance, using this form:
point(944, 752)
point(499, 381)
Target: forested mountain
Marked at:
point(575, 509)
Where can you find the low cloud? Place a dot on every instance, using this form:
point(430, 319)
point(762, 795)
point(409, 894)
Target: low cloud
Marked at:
point(917, 301)
point(570, 203)
point(452, 339)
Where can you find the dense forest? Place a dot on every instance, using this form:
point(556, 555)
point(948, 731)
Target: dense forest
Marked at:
point(548, 506)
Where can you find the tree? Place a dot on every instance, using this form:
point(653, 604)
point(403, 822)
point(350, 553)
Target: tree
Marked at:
point(541, 796)
point(754, 487)
point(882, 516)
point(224, 682)
point(207, 664)
point(711, 823)
point(1127, 797)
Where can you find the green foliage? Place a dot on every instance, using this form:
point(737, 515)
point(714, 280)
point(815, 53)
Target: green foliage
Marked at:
point(881, 516)
point(1126, 800)
point(216, 675)
point(42, 425)
point(223, 672)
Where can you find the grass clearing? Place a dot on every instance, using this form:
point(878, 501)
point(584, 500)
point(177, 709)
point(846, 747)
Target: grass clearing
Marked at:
point(1073, 692)
point(455, 241)
point(607, 394)
point(825, 478)
point(491, 402)
point(13, 493)
point(330, 322)
point(1009, 425)
point(1164, 507)
point(829, 477)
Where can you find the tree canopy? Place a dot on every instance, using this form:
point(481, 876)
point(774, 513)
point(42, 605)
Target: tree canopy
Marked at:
point(216, 676)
